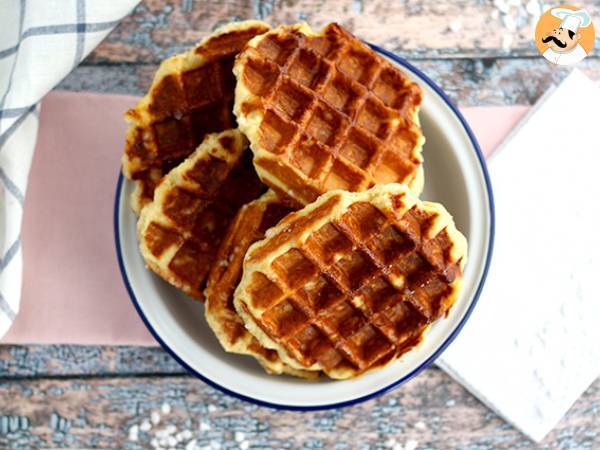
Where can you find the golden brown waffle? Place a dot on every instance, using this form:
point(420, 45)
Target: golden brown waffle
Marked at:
point(248, 226)
point(323, 111)
point(180, 230)
point(191, 95)
point(353, 280)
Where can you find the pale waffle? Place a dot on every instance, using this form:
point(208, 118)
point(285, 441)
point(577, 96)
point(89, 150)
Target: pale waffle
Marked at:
point(353, 280)
point(323, 111)
point(248, 226)
point(180, 230)
point(191, 95)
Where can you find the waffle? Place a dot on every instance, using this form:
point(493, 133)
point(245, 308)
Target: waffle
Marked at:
point(324, 112)
point(248, 226)
point(191, 95)
point(353, 280)
point(180, 230)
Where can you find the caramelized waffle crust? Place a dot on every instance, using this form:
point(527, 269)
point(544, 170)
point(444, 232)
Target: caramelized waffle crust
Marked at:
point(180, 230)
point(248, 226)
point(353, 280)
point(323, 111)
point(191, 95)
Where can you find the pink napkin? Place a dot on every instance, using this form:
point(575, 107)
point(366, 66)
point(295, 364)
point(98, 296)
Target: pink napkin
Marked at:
point(72, 288)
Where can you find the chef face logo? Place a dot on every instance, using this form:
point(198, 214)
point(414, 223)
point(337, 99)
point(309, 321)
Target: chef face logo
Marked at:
point(561, 40)
point(565, 35)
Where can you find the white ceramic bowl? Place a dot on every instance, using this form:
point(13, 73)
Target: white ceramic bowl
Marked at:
point(455, 175)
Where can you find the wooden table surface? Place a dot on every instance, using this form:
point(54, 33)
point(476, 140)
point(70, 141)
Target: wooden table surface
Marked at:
point(98, 397)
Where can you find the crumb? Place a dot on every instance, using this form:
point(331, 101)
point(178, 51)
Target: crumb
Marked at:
point(146, 425)
point(509, 23)
point(411, 444)
point(420, 425)
point(186, 434)
point(133, 433)
point(506, 41)
point(455, 26)
point(239, 436)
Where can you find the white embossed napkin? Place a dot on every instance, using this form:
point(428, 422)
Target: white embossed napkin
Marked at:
point(532, 345)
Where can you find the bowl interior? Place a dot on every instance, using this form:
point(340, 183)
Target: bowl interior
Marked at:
point(454, 176)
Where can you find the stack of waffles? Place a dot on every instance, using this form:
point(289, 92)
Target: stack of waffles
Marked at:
point(277, 178)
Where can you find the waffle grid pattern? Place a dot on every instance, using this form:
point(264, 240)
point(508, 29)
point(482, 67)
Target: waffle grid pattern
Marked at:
point(181, 229)
point(334, 114)
point(248, 226)
point(358, 292)
point(191, 97)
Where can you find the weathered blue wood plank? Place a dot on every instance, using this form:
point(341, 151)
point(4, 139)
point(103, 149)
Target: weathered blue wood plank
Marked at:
point(416, 28)
point(78, 360)
point(469, 82)
point(429, 412)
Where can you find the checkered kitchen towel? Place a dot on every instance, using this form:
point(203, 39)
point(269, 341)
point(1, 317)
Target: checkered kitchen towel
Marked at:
point(41, 41)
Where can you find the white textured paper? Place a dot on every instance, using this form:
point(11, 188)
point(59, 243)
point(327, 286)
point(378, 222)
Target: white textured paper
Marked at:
point(532, 345)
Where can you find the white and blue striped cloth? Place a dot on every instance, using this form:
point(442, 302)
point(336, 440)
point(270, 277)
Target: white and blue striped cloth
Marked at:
point(41, 41)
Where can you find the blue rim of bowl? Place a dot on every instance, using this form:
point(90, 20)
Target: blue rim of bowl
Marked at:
point(401, 380)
